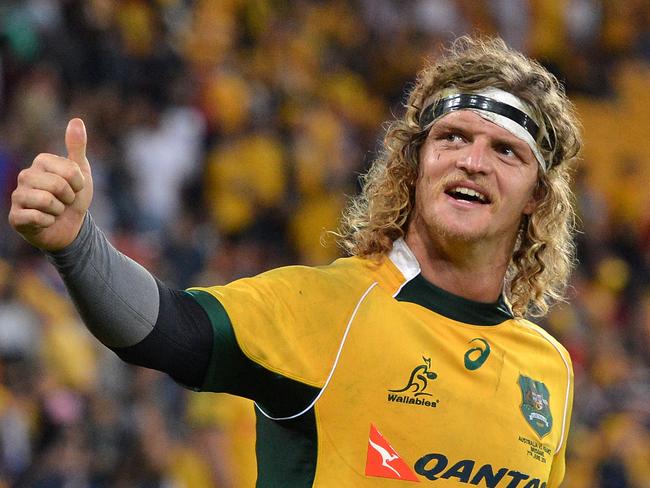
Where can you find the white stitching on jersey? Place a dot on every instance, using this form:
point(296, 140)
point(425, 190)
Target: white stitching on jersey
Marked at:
point(336, 362)
point(568, 387)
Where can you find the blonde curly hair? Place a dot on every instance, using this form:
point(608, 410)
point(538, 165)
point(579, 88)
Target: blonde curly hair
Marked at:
point(544, 254)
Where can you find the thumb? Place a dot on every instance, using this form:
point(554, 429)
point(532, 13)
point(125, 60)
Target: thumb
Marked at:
point(75, 142)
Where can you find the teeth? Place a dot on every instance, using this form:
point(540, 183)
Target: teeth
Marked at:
point(470, 192)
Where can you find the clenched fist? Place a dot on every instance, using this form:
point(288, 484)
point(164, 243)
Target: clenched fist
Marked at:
point(50, 202)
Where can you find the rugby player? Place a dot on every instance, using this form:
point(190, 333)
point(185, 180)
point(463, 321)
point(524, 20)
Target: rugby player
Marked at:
point(411, 359)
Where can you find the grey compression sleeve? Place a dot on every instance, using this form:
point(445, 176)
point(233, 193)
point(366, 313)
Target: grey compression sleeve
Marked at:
point(117, 298)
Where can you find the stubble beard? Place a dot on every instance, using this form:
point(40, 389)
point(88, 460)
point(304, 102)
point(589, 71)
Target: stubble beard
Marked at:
point(438, 229)
point(440, 238)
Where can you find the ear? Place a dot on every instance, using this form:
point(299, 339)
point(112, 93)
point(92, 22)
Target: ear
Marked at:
point(539, 192)
point(530, 206)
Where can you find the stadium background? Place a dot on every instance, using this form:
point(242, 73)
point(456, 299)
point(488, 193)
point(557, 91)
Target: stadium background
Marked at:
point(224, 136)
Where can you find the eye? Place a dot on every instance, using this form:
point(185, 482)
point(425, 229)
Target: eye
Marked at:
point(453, 137)
point(506, 150)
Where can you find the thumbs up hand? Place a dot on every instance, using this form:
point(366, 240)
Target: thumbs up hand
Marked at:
point(50, 201)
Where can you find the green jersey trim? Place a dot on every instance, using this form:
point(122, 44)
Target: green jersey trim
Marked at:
point(420, 291)
point(286, 451)
point(231, 371)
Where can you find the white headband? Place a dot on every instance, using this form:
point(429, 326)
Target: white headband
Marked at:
point(499, 107)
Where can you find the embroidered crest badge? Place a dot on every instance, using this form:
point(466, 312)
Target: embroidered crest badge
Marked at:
point(534, 405)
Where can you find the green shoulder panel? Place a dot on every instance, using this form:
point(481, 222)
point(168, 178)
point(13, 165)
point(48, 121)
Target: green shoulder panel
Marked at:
point(231, 371)
point(286, 450)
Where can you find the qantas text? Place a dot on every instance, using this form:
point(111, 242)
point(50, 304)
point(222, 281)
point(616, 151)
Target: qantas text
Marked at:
point(436, 466)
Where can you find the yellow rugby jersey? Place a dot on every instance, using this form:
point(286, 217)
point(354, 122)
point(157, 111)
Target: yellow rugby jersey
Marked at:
point(366, 375)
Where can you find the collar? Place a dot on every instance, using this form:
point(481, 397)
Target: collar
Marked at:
point(416, 289)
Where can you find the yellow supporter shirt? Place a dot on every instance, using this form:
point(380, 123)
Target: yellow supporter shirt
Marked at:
point(365, 374)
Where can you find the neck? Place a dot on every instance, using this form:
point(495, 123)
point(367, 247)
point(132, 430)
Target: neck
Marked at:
point(472, 270)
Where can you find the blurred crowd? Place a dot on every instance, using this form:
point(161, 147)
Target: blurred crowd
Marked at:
point(224, 137)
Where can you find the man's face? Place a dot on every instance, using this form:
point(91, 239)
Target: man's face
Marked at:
point(476, 180)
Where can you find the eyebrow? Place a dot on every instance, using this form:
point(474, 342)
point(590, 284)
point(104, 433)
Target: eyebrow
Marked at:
point(507, 139)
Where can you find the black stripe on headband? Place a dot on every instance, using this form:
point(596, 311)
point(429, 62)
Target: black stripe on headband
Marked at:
point(480, 102)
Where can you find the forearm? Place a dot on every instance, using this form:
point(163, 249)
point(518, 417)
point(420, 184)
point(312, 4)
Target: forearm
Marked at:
point(122, 304)
point(145, 322)
point(117, 298)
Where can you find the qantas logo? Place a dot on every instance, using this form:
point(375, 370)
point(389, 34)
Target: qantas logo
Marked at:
point(383, 462)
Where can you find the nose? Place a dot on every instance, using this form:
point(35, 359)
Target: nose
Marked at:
point(475, 157)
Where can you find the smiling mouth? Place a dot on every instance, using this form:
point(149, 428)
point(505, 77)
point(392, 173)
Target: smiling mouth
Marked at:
point(467, 195)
